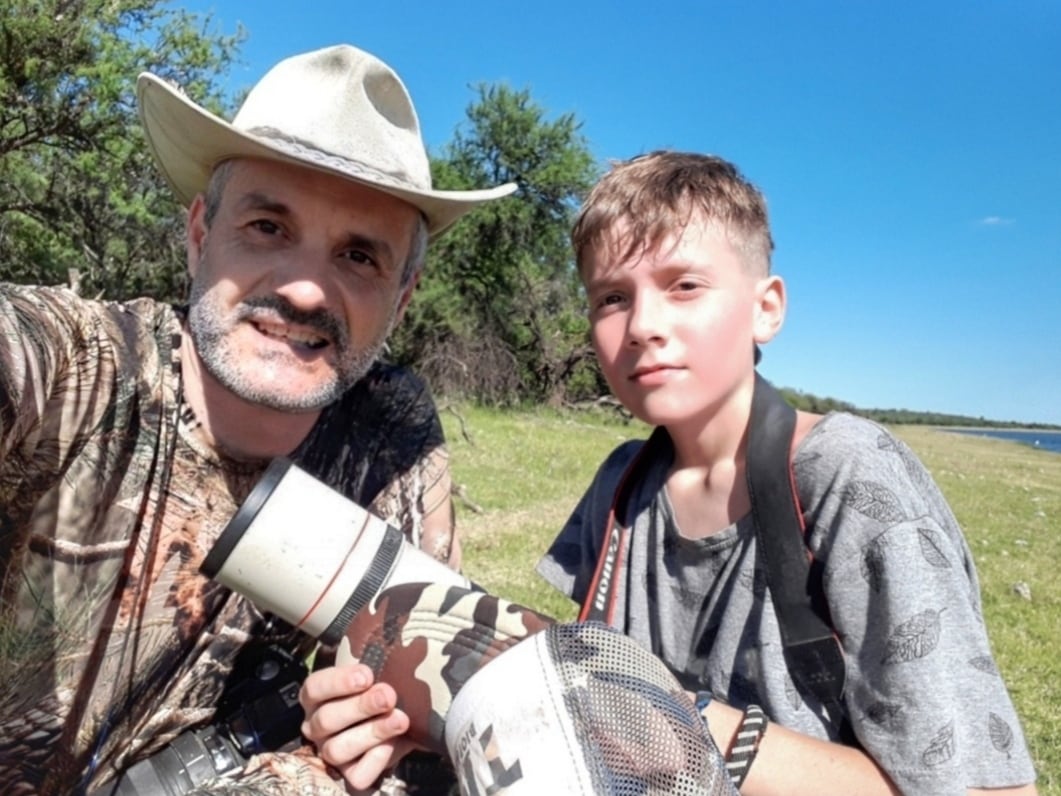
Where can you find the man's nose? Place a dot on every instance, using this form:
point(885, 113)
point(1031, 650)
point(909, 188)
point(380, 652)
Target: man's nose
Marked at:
point(303, 283)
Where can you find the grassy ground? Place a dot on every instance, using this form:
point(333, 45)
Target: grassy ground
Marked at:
point(523, 472)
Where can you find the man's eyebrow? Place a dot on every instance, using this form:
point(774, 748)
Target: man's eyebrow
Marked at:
point(256, 200)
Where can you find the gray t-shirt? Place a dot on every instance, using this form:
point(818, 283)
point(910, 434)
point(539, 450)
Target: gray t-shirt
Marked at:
point(923, 693)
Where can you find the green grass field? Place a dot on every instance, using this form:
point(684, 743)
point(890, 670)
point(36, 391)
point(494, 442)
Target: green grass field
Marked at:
point(523, 472)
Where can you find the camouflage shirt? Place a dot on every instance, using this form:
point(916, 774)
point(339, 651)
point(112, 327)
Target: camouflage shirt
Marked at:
point(111, 641)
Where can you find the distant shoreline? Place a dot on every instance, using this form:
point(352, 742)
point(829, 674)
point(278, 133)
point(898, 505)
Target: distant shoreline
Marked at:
point(1022, 429)
point(1036, 438)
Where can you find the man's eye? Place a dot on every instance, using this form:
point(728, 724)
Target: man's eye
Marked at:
point(266, 226)
point(360, 257)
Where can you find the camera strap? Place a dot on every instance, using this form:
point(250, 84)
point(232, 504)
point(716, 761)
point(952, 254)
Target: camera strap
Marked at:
point(812, 651)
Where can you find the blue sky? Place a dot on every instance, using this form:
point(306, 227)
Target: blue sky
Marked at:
point(910, 154)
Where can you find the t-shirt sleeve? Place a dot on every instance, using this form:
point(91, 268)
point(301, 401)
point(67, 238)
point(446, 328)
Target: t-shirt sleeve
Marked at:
point(571, 559)
point(924, 694)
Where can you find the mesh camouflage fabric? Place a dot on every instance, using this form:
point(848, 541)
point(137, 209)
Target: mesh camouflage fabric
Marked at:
point(638, 730)
point(614, 719)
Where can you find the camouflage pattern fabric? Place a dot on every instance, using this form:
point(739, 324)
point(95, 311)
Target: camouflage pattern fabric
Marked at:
point(111, 641)
point(615, 720)
point(426, 640)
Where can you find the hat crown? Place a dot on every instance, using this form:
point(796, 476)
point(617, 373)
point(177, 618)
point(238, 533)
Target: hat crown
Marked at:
point(339, 110)
point(342, 103)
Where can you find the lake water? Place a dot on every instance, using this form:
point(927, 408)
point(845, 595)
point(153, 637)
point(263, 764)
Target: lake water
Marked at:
point(1044, 440)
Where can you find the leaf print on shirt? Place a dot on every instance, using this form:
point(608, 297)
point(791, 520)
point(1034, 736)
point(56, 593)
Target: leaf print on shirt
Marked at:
point(917, 472)
point(1001, 733)
point(755, 581)
point(932, 548)
point(941, 748)
point(985, 664)
point(872, 564)
point(792, 693)
point(915, 638)
point(874, 500)
point(885, 714)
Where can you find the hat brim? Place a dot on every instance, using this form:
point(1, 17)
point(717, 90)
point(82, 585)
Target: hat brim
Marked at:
point(188, 142)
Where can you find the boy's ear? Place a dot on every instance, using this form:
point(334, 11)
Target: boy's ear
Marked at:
point(195, 232)
point(769, 308)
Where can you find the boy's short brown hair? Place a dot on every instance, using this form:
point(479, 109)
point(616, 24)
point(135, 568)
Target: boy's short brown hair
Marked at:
point(653, 195)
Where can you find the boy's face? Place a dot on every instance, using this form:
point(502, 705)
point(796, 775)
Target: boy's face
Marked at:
point(675, 328)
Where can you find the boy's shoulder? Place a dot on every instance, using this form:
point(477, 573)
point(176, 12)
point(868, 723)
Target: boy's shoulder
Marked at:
point(841, 433)
point(843, 447)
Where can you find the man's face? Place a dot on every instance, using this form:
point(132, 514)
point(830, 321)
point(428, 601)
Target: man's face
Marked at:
point(675, 329)
point(296, 282)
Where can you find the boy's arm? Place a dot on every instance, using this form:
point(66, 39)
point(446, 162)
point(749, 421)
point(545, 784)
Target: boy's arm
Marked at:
point(791, 764)
point(794, 764)
point(922, 690)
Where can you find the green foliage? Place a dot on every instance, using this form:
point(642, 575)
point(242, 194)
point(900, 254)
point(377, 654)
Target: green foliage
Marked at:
point(497, 315)
point(526, 470)
point(809, 402)
point(80, 200)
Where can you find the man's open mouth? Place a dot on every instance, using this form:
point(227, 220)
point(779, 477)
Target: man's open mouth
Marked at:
point(301, 337)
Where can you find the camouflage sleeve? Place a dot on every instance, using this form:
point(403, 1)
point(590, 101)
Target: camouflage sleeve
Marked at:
point(418, 501)
point(31, 355)
point(278, 774)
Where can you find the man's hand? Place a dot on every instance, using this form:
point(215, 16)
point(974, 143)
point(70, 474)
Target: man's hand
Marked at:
point(353, 722)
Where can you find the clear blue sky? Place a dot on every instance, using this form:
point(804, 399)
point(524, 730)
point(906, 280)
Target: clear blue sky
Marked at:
point(910, 154)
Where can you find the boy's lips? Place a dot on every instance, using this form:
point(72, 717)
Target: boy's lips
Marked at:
point(648, 372)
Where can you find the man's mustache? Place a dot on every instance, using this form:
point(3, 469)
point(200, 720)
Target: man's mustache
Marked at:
point(319, 320)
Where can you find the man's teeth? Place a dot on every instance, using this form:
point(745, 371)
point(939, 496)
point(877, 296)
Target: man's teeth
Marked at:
point(295, 336)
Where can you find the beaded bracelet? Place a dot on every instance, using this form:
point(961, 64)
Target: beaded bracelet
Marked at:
point(746, 744)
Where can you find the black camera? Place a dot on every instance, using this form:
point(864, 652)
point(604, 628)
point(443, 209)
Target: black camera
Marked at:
point(259, 712)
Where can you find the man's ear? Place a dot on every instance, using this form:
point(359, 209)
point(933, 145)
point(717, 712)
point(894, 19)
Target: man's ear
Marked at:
point(406, 297)
point(195, 229)
point(769, 308)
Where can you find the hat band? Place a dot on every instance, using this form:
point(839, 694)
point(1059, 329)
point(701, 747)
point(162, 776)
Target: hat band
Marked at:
point(293, 147)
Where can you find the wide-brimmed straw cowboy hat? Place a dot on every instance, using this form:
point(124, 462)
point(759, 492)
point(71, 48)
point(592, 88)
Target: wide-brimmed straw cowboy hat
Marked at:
point(339, 110)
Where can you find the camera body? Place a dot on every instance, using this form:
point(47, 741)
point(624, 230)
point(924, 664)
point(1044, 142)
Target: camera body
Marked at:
point(258, 712)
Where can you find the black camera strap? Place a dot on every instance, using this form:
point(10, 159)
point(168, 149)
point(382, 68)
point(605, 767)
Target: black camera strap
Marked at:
point(813, 654)
point(812, 651)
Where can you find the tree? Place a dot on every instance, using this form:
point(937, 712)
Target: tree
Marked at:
point(80, 199)
point(498, 314)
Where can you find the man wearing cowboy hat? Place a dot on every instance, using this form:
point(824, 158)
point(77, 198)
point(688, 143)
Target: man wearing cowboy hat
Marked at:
point(129, 433)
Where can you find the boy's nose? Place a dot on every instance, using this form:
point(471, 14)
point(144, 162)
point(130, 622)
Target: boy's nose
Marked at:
point(647, 320)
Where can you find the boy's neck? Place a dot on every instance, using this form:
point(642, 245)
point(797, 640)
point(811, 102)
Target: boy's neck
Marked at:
point(706, 484)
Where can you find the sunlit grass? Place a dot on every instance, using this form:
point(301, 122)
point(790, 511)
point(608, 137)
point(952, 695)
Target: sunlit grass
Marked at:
point(526, 471)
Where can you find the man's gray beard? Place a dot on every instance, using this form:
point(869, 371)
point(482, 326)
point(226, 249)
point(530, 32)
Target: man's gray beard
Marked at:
point(211, 330)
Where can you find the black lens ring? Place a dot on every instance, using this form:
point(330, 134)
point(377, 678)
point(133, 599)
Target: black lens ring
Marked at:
point(378, 569)
point(237, 526)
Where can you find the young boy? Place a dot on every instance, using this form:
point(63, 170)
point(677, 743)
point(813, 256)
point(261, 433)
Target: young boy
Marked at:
point(674, 250)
